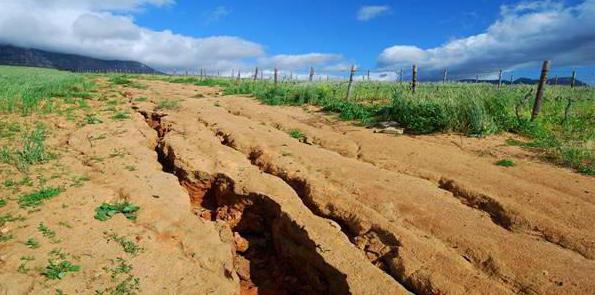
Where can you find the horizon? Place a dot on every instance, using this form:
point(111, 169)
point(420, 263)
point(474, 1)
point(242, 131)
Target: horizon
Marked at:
point(469, 39)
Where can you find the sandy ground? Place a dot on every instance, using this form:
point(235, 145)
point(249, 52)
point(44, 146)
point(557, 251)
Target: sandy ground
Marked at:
point(231, 203)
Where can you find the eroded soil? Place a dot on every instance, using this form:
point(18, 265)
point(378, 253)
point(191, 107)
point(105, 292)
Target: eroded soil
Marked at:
point(231, 203)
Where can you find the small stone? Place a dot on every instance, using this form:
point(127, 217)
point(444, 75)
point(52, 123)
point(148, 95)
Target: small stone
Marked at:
point(241, 244)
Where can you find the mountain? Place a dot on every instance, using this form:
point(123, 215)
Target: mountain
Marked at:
point(18, 56)
point(528, 81)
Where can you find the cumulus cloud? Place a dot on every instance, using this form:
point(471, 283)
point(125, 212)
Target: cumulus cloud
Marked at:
point(524, 35)
point(106, 29)
point(366, 13)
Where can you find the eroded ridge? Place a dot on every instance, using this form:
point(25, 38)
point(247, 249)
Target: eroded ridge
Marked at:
point(273, 253)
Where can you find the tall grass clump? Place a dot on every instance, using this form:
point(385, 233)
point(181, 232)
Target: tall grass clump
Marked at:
point(27, 90)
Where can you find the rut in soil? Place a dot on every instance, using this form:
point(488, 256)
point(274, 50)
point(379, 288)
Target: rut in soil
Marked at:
point(272, 253)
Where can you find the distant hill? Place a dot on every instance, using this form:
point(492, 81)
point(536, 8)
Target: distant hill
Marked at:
point(527, 81)
point(18, 56)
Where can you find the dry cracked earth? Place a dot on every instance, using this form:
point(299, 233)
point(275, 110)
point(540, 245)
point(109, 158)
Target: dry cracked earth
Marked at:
point(232, 204)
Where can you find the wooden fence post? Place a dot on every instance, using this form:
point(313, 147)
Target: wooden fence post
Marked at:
point(573, 81)
point(445, 75)
point(368, 75)
point(311, 74)
point(256, 74)
point(349, 86)
point(540, 89)
point(499, 78)
point(414, 78)
point(275, 76)
point(239, 75)
point(511, 78)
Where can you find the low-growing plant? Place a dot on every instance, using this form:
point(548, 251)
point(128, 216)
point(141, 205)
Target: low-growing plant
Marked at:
point(57, 270)
point(121, 115)
point(168, 104)
point(2, 203)
point(127, 245)
point(505, 163)
point(130, 285)
point(32, 243)
point(37, 198)
point(297, 134)
point(107, 210)
point(46, 231)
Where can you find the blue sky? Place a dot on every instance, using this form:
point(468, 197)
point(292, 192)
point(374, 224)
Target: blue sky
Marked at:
point(464, 36)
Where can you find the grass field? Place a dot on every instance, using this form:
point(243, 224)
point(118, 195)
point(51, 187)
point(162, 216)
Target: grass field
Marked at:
point(563, 132)
point(26, 90)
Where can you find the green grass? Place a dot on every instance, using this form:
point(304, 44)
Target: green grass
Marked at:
point(37, 198)
point(32, 151)
point(127, 245)
point(121, 115)
point(563, 135)
point(107, 210)
point(32, 243)
point(168, 104)
point(46, 231)
point(27, 90)
point(297, 134)
point(506, 163)
point(2, 203)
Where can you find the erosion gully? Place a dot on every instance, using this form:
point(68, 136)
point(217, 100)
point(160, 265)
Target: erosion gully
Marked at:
point(261, 232)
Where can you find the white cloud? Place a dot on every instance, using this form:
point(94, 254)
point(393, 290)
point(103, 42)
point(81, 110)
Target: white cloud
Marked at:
point(524, 35)
point(99, 29)
point(366, 13)
point(216, 14)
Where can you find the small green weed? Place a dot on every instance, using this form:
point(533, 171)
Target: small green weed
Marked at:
point(37, 198)
point(2, 203)
point(57, 270)
point(297, 134)
point(121, 116)
point(46, 231)
point(128, 246)
point(506, 163)
point(32, 243)
point(107, 211)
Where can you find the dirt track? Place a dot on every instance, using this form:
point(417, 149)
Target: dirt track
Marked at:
point(345, 210)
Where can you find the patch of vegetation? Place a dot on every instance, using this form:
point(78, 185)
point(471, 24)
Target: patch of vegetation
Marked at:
point(37, 198)
point(168, 104)
point(4, 218)
point(107, 210)
point(92, 119)
point(2, 203)
point(562, 131)
point(23, 266)
point(130, 285)
point(121, 115)
point(33, 150)
point(506, 163)
point(297, 134)
point(32, 243)
point(127, 245)
point(27, 90)
point(46, 231)
point(120, 80)
point(57, 270)
point(141, 99)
